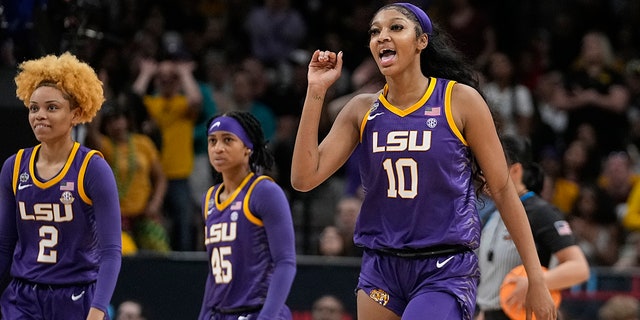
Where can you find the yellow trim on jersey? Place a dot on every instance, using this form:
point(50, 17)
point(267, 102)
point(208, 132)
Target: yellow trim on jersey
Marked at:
point(59, 176)
point(16, 170)
point(363, 123)
point(221, 205)
point(449, 113)
point(81, 173)
point(412, 108)
point(245, 206)
point(207, 198)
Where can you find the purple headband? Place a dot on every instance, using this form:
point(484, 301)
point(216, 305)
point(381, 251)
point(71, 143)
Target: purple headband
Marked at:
point(232, 125)
point(423, 18)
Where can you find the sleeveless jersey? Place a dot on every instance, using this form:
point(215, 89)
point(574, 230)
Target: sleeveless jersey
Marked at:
point(57, 229)
point(240, 261)
point(416, 173)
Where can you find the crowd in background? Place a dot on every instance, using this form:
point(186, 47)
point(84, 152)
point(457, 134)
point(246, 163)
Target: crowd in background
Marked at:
point(565, 74)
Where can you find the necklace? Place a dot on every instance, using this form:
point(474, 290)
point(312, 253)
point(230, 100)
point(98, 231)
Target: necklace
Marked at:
point(123, 179)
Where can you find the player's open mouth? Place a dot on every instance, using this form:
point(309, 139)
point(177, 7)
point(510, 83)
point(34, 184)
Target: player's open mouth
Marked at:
point(387, 55)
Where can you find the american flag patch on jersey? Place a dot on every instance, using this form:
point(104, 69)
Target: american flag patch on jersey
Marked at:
point(563, 228)
point(432, 111)
point(236, 205)
point(67, 186)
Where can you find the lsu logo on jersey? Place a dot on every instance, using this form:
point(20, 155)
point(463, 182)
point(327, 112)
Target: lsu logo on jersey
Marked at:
point(405, 140)
point(380, 296)
point(52, 212)
point(220, 232)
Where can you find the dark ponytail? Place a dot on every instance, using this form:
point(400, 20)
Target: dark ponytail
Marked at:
point(441, 59)
point(518, 150)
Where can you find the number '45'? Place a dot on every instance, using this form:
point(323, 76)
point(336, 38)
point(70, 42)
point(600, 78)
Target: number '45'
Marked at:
point(221, 267)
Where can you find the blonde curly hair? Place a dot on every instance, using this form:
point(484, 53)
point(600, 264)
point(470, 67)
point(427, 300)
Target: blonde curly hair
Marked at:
point(74, 78)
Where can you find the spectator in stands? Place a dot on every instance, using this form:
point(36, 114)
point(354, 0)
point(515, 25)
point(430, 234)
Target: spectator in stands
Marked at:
point(275, 29)
point(620, 307)
point(595, 226)
point(472, 28)
point(173, 106)
point(331, 242)
point(510, 100)
point(630, 252)
point(595, 93)
point(136, 165)
point(328, 307)
point(347, 211)
point(631, 218)
point(566, 182)
point(217, 69)
point(552, 121)
point(130, 310)
point(617, 179)
point(244, 99)
point(632, 80)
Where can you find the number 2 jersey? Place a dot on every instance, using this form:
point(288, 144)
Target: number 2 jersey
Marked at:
point(416, 174)
point(250, 244)
point(65, 230)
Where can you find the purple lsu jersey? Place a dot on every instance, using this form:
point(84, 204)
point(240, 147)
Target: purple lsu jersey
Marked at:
point(240, 261)
point(57, 228)
point(416, 174)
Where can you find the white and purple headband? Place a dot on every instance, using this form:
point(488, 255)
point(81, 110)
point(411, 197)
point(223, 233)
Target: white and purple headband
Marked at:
point(229, 124)
point(423, 18)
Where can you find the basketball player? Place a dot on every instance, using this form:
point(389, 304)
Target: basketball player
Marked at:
point(249, 230)
point(418, 140)
point(59, 213)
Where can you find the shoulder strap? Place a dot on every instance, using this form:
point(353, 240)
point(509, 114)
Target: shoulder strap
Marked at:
point(207, 199)
point(16, 170)
point(81, 174)
point(247, 212)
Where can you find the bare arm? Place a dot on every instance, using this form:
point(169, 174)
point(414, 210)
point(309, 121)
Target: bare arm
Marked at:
point(616, 100)
point(313, 163)
point(190, 86)
point(95, 314)
point(159, 181)
point(572, 269)
point(472, 116)
point(147, 70)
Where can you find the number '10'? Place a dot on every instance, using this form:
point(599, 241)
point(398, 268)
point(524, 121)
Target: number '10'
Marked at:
point(398, 186)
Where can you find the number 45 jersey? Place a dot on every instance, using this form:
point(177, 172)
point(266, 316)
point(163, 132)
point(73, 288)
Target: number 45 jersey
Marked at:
point(416, 174)
point(240, 262)
point(56, 222)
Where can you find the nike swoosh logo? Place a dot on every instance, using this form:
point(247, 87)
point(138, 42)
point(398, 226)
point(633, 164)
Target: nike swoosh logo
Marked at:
point(371, 116)
point(440, 264)
point(77, 297)
point(24, 186)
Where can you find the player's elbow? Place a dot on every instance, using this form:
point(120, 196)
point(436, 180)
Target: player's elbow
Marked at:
point(301, 183)
point(582, 272)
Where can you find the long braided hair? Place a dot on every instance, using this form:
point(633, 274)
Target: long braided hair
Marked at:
point(261, 159)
